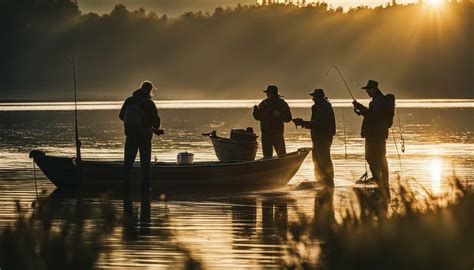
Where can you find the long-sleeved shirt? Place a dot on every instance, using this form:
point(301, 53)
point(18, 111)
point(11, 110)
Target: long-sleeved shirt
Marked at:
point(323, 122)
point(150, 114)
point(375, 123)
point(271, 122)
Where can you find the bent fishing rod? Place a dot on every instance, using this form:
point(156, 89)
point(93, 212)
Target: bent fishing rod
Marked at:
point(364, 176)
point(344, 80)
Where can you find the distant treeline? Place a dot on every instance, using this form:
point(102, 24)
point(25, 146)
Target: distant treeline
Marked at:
point(415, 51)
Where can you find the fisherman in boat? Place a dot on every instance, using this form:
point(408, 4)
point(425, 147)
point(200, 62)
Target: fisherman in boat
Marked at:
point(323, 128)
point(141, 120)
point(273, 112)
point(378, 118)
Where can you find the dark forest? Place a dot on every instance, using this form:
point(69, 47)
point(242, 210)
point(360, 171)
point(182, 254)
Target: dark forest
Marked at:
point(415, 51)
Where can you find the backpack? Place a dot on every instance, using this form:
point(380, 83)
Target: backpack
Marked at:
point(134, 115)
point(390, 113)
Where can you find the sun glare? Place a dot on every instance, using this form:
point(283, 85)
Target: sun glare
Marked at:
point(435, 3)
point(436, 170)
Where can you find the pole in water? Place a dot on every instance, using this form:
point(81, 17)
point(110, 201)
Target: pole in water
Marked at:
point(78, 142)
point(34, 176)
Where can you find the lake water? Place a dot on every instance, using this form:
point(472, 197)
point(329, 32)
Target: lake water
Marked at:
point(225, 230)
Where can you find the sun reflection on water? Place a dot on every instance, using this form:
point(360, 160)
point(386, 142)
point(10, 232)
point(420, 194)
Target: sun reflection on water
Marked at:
point(436, 170)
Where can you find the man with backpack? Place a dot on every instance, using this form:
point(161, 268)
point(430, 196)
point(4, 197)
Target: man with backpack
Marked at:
point(141, 120)
point(273, 112)
point(378, 118)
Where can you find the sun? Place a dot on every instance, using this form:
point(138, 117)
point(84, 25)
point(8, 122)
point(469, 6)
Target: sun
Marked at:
point(435, 3)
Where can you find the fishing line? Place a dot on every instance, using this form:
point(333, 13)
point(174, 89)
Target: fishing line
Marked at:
point(345, 137)
point(325, 75)
point(240, 119)
point(402, 140)
point(401, 168)
point(364, 176)
point(396, 148)
point(343, 117)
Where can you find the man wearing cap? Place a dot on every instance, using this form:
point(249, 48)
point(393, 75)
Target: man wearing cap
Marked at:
point(141, 120)
point(374, 129)
point(272, 113)
point(323, 128)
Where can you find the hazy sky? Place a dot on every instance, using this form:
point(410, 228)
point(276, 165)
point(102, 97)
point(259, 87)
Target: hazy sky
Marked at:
point(176, 7)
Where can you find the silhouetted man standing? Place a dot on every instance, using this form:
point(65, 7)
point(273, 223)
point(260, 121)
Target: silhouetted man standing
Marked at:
point(378, 118)
point(141, 120)
point(323, 128)
point(272, 113)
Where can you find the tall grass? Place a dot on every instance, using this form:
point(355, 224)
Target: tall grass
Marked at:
point(42, 241)
point(435, 233)
point(57, 237)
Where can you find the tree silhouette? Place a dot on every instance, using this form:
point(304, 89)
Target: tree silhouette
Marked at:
point(233, 51)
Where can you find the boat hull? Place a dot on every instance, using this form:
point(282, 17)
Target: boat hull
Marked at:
point(65, 172)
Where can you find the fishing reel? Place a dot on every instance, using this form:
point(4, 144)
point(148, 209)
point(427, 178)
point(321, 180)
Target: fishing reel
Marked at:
point(357, 111)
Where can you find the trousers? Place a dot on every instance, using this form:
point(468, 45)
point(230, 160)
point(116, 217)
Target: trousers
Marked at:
point(133, 144)
point(375, 155)
point(270, 141)
point(323, 167)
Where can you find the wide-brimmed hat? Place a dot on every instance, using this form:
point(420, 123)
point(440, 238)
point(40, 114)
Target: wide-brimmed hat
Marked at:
point(272, 89)
point(317, 93)
point(371, 84)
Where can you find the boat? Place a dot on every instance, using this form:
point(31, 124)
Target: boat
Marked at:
point(77, 173)
point(265, 173)
point(241, 146)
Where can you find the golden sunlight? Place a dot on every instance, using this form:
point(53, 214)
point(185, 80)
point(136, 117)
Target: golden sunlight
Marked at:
point(436, 170)
point(434, 3)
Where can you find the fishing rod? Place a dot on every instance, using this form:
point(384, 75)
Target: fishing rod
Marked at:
point(78, 142)
point(344, 80)
point(343, 118)
point(364, 176)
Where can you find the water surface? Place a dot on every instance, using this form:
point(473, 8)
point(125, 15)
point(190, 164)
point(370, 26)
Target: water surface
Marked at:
point(224, 230)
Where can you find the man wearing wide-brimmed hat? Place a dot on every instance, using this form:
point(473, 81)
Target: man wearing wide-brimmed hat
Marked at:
point(323, 128)
point(378, 119)
point(273, 112)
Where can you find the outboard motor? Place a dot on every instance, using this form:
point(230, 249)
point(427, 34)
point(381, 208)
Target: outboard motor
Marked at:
point(245, 135)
